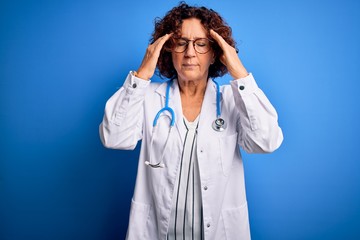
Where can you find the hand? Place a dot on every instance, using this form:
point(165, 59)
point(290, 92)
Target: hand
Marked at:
point(230, 58)
point(148, 64)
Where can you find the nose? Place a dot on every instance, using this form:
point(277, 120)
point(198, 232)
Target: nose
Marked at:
point(190, 50)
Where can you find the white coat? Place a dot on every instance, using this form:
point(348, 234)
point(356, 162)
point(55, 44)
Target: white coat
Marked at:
point(251, 124)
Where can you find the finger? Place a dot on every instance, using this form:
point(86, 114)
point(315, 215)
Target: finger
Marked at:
point(219, 39)
point(159, 43)
point(162, 40)
point(166, 37)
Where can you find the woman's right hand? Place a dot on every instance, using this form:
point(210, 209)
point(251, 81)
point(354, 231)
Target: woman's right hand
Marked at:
point(148, 64)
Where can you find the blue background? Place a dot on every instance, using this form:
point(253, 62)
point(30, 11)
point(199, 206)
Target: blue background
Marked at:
point(61, 60)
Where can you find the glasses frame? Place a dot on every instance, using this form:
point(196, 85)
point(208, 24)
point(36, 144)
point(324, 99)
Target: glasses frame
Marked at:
point(193, 43)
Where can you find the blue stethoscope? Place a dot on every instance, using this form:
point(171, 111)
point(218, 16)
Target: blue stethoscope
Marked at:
point(218, 125)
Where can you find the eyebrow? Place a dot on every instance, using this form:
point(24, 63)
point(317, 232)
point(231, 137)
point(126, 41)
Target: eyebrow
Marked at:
point(187, 39)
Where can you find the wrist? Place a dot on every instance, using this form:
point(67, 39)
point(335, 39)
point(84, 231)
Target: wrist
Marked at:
point(241, 74)
point(142, 75)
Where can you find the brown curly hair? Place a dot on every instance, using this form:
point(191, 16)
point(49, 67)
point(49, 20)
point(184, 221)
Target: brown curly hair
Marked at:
point(172, 22)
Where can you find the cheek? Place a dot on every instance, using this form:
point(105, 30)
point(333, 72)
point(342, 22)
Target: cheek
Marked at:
point(207, 59)
point(206, 62)
point(176, 60)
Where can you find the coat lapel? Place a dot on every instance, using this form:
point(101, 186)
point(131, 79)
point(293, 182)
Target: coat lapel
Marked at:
point(208, 108)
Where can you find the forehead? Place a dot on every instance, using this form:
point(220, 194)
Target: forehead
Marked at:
point(192, 28)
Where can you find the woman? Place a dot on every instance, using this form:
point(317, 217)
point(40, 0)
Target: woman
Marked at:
point(190, 180)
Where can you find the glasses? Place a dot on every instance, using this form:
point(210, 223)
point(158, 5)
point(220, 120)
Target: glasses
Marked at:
point(201, 45)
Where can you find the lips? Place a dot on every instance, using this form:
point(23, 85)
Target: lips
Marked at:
point(189, 65)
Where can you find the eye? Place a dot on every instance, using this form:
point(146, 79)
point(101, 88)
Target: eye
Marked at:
point(201, 43)
point(181, 43)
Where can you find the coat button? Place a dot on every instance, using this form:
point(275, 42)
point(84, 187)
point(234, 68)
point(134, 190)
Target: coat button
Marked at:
point(134, 85)
point(208, 225)
point(205, 188)
point(242, 87)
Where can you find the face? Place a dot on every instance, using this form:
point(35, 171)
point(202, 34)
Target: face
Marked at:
point(191, 65)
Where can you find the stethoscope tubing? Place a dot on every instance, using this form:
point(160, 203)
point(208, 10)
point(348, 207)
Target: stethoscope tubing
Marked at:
point(166, 108)
point(218, 125)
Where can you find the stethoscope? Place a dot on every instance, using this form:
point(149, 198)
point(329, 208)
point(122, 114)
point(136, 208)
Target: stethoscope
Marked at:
point(218, 125)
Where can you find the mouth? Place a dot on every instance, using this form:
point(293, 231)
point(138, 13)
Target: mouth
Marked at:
point(189, 65)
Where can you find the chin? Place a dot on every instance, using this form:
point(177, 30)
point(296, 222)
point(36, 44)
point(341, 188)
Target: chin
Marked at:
point(189, 75)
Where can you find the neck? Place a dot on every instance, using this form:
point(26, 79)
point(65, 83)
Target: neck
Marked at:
point(192, 88)
point(192, 95)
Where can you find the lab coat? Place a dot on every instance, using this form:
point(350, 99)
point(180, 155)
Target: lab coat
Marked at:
point(251, 124)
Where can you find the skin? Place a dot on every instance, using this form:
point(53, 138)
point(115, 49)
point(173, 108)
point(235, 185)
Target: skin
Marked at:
point(192, 68)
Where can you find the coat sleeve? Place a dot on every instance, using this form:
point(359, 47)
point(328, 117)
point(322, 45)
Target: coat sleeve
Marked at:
point(121, 127)
point(258, 121)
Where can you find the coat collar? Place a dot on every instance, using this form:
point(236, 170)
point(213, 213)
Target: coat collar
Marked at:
point(210, 90)
point(208, 108)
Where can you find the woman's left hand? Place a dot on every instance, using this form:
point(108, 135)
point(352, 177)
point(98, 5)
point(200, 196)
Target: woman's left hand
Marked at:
point(230, 58)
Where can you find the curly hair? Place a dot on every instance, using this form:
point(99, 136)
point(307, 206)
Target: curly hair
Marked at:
point(172, 22)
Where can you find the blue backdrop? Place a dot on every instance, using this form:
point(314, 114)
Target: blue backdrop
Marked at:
point(61, 60)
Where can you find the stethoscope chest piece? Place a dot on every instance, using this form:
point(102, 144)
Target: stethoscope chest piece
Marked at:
point(219, 125)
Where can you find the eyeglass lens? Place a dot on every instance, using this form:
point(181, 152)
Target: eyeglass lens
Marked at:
point(201, 45)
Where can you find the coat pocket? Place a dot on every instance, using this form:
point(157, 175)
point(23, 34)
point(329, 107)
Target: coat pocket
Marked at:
point(139, 217)
point(236, 223)
point(228, 148)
